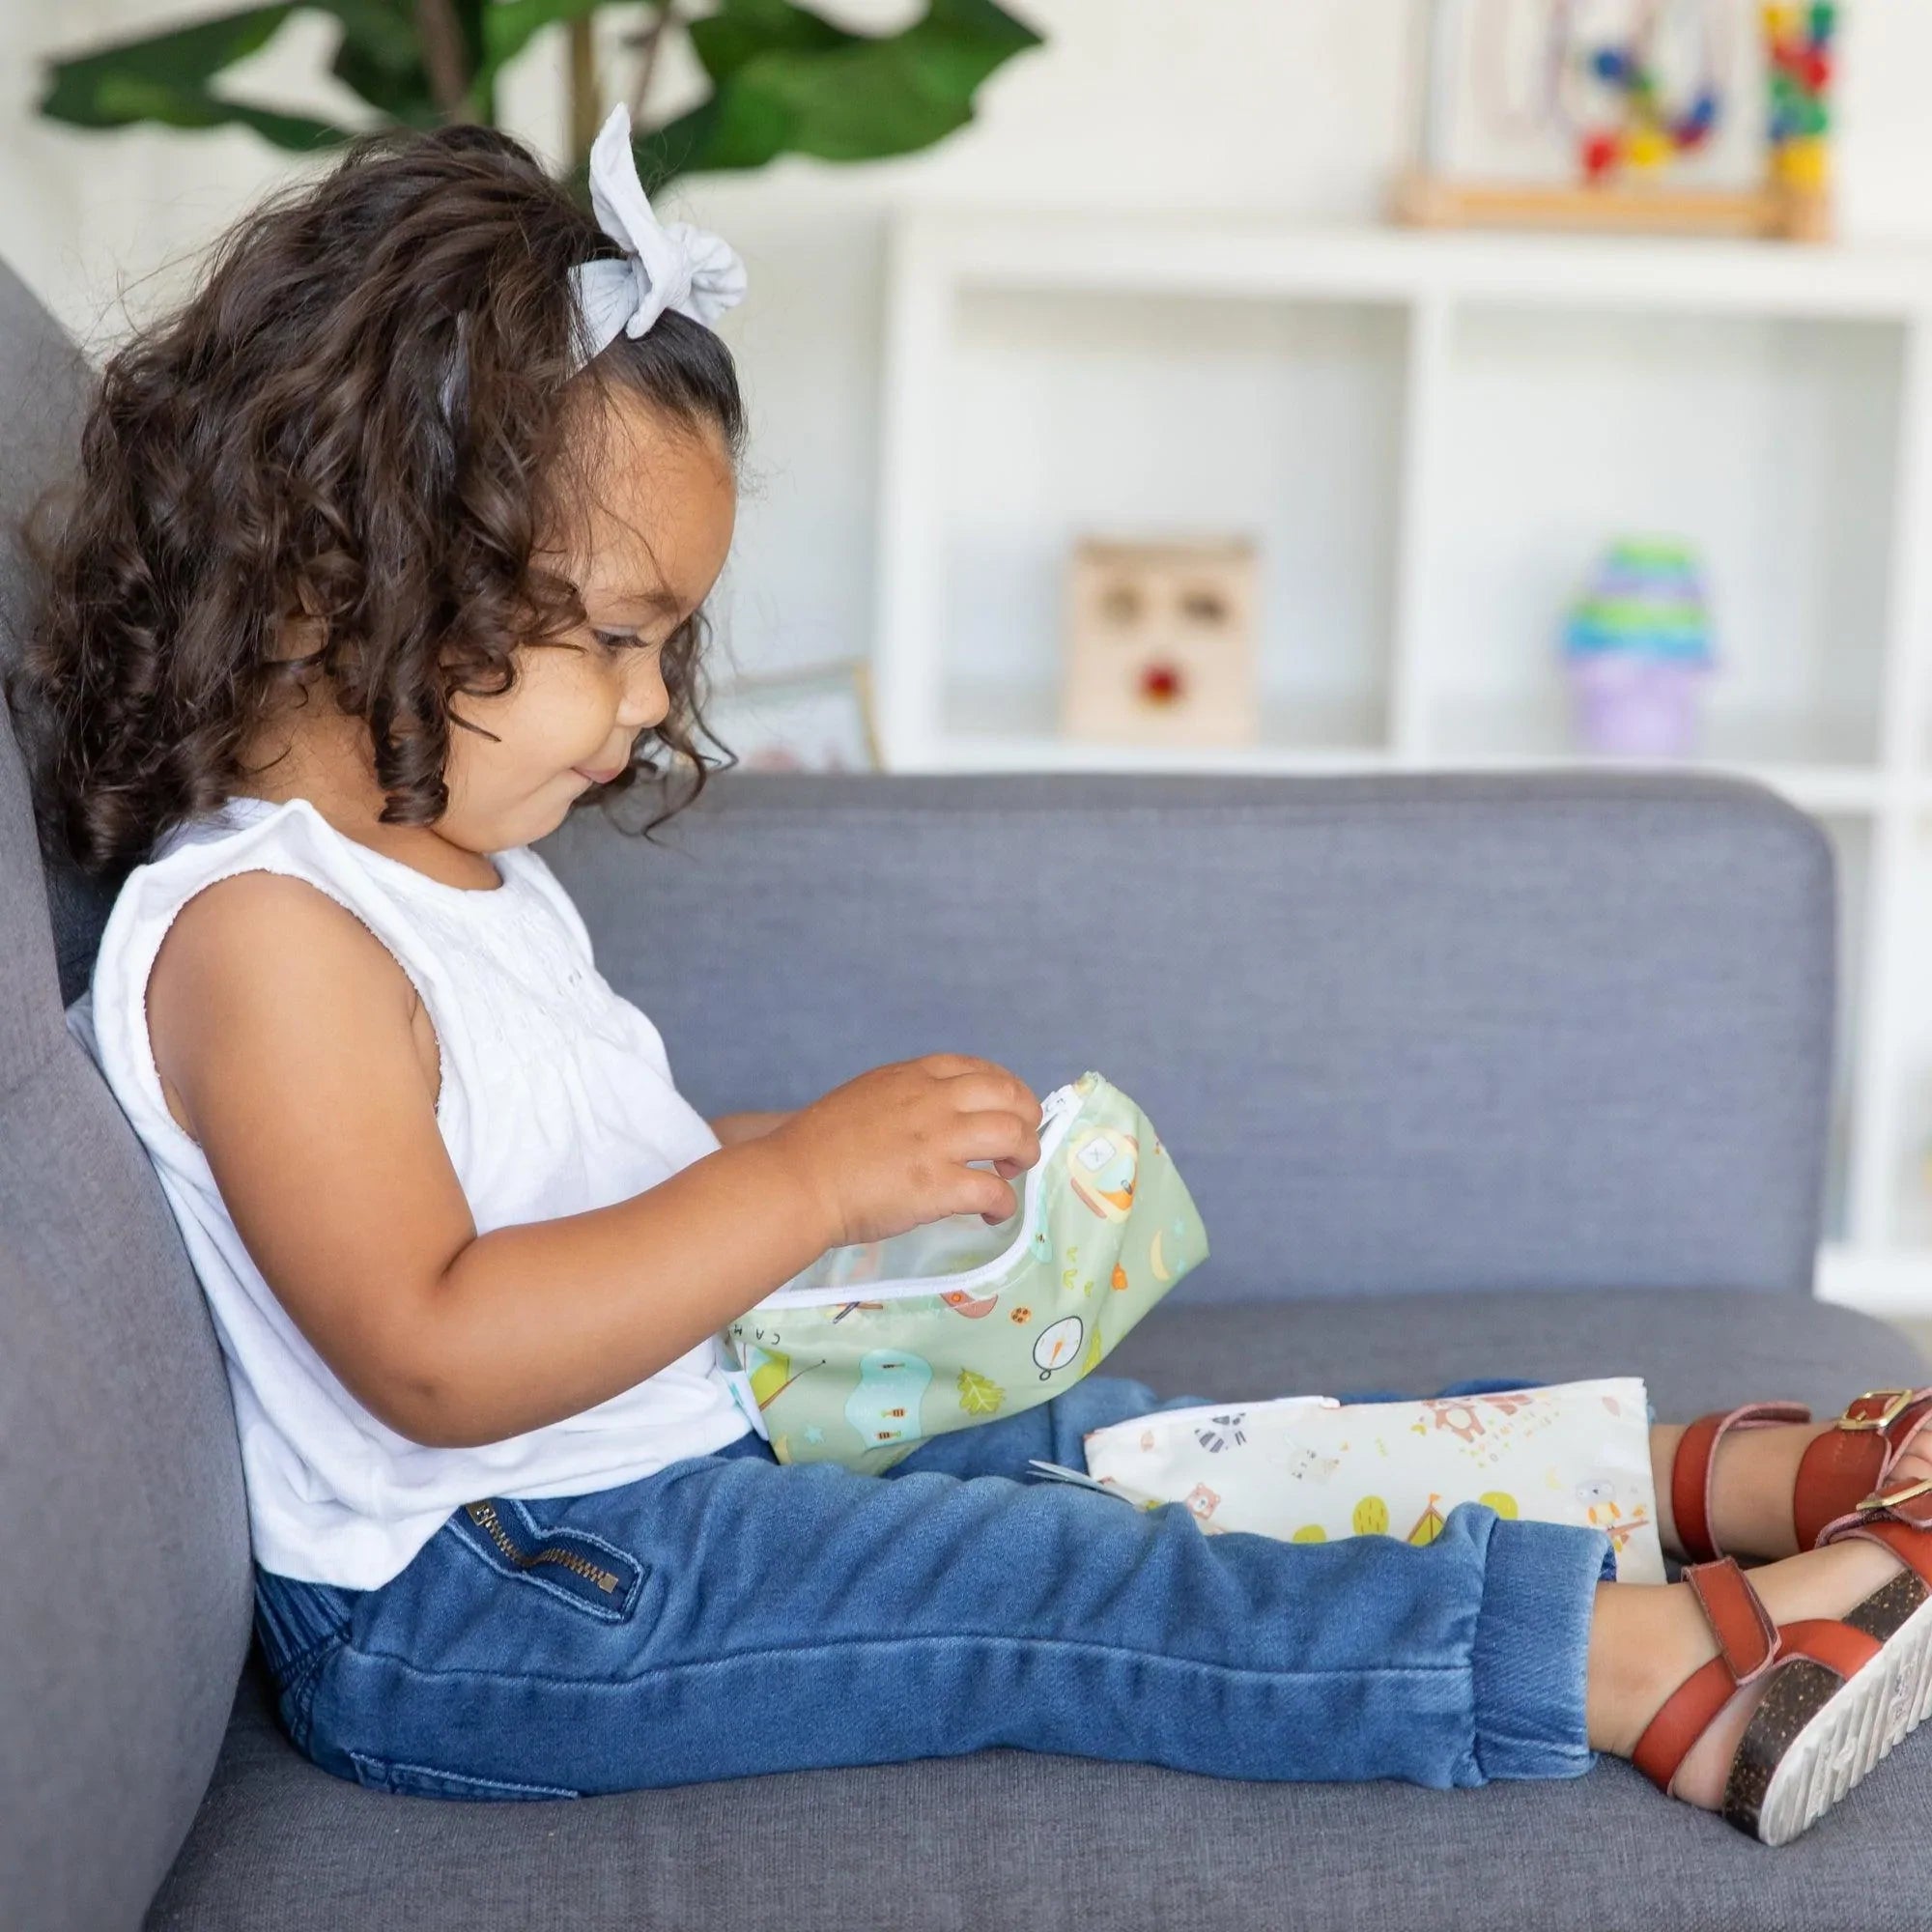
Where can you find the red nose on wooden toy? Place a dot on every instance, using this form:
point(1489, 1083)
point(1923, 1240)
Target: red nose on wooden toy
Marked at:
point(1162, 684)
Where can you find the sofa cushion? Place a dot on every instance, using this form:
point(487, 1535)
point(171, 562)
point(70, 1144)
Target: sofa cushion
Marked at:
point(1005, 1838)
point(1541, 1031)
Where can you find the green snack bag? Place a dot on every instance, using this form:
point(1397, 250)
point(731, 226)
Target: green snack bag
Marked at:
point(875, 1347)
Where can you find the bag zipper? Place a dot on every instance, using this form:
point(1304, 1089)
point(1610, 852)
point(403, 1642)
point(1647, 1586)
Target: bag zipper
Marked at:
point(484, 1516)
point(1056, 1116)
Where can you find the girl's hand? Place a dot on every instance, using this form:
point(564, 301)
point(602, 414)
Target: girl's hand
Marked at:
point(889, 1151)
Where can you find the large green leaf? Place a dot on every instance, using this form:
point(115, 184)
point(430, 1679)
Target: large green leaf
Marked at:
point(510, 25)
point(384, 30)
point(171, 77)
point(787, 82)
point(166, 77)
point(677, 147)
point(380, 58)
point(741, 30)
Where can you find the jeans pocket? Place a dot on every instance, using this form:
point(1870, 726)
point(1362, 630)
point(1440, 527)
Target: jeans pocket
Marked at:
point(575, 1567)
point(423, 1781)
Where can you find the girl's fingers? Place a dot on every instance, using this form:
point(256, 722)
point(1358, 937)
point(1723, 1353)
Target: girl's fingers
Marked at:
point(989, 1196)
point(996, 1137)
point(951, 1065)
point(963, 1066)
point(990, 1089)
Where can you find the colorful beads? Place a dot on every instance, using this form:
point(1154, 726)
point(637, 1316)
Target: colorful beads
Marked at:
point(1650, 137)
point(1644, 132)
point(1797, 65)
point(1602, 154)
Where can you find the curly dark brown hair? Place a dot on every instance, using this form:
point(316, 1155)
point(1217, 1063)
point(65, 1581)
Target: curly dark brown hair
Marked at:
point(362, 417)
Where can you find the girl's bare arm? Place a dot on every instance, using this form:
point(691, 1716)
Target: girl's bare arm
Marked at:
point(291, 1046)
point(733, 1129)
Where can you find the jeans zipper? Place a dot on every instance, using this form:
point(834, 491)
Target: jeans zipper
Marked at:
point(484, 1516)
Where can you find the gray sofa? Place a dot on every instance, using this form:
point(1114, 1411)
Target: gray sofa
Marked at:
point(1522, 1076)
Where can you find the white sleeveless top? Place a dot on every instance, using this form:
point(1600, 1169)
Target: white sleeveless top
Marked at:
point(556, 1098)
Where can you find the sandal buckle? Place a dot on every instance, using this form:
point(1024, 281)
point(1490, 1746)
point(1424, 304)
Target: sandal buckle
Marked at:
point(1896, 1402)
point(1884, 1499)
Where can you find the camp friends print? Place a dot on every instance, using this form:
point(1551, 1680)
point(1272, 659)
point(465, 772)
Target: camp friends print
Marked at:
point(1058, 1345)
point(871, 1350)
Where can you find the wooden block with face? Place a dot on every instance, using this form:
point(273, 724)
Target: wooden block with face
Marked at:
point(1160, 643)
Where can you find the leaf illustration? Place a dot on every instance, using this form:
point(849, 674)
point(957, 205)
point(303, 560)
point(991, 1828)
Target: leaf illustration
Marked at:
point(979, 1395)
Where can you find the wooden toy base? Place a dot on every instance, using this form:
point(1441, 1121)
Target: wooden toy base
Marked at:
point(1779, 213)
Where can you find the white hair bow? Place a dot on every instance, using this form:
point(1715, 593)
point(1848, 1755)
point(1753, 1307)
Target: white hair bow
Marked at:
point(679, 266)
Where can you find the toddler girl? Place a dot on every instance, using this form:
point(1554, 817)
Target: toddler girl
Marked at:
point(389, 551)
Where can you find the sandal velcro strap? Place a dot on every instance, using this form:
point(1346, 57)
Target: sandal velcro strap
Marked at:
point(1904, 1536)
point(1844, 1470)
point(1748, 1645)
point(1691, 1470)
point(1747, 1637)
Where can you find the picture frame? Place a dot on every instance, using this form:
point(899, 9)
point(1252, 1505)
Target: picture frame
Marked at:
point(1773, 75)
point(816, 718)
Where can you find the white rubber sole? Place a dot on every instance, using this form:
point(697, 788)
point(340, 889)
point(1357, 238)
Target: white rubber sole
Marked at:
point(1852, 1733)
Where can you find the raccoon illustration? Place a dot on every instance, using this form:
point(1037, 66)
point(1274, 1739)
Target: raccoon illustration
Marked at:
point(1219, 1431)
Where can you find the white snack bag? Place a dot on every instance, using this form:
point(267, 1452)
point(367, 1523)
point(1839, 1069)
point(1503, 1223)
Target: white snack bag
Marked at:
point(1306, 1468)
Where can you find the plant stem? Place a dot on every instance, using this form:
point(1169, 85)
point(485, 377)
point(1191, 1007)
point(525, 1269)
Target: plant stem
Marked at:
point(653, 40)
point(440, 38)
point(585, 92)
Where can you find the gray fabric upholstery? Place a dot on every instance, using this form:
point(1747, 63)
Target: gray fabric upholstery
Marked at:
point(1006, 1840)
point(123, 1593)
point(1402, 1034)
point(42, 389)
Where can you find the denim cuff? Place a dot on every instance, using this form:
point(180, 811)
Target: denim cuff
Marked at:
point(1530, 1661)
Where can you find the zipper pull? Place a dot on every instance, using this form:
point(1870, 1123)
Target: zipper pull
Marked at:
point(1061, 1100)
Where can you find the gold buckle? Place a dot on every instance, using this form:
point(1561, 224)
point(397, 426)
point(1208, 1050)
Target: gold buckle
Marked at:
point(1892, 1498)
point(1900, 1400)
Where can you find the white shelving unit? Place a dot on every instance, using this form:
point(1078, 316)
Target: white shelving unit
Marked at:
point(1431, 437)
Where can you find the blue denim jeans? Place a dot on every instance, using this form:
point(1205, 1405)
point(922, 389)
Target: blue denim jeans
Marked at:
point(728, 1616)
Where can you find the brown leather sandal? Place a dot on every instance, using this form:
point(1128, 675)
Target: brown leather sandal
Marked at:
point(1839, 1693)
point(1841, 1468)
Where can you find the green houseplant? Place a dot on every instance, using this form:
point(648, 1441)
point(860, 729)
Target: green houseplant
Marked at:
point(783, 79)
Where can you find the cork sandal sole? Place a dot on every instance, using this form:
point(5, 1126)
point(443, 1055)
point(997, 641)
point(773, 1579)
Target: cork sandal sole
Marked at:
point(1814, 1735)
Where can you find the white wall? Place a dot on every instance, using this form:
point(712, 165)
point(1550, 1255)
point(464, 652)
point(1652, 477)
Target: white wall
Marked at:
point(1291, 108)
